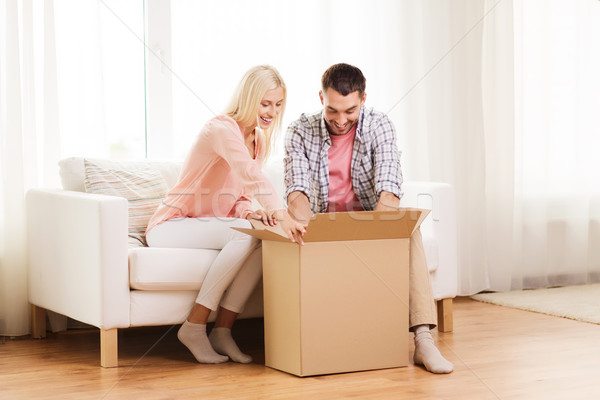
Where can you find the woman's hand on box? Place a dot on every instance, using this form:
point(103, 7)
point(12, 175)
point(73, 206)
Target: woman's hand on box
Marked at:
point(263, 216)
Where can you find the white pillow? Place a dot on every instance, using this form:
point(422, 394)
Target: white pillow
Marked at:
point(142, 186)
point(72, 170)
point(72, 173)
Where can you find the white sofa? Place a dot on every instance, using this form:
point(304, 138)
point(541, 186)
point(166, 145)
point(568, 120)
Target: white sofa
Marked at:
point(81, 266)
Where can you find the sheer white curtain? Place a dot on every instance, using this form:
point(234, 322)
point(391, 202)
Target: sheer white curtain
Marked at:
point(509, 117)
point(542, 134)
point(71, 84)
point(13, 310)
point(28, 156)
point(557, 132)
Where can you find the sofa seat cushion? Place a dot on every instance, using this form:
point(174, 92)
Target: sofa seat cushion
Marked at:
point(154, 268)
point(430, 246)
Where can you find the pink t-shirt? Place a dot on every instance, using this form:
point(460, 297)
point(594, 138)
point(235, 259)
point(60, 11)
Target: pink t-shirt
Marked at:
point(218, 177)
point(341, 195)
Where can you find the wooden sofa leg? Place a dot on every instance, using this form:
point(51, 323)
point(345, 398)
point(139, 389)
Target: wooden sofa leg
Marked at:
point(109, 354)
point(444, 312)
point(38, 322)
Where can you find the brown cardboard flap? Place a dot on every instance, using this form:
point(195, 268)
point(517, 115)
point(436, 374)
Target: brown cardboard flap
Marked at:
point(360, 225)
point(424, 214)
point(263, 234)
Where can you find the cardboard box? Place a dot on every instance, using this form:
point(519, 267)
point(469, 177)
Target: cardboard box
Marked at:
point(340, 302)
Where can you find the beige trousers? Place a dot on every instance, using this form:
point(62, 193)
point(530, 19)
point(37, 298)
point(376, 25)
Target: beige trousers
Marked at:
point(420, 298)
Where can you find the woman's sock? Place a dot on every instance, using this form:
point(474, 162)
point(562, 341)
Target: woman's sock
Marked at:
point(223, 343)
point(193, 336)
point(427, 354)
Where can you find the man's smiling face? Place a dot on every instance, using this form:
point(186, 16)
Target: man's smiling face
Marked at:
point(341, 112)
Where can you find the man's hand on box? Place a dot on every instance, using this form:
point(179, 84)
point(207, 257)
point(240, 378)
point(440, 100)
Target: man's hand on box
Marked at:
point(292, 228)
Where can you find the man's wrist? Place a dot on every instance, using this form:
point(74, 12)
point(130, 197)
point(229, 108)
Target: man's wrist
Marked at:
point(299, 207)
point(387, 201)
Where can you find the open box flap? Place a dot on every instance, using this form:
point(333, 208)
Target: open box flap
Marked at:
point(263, 232)
point(359, 225)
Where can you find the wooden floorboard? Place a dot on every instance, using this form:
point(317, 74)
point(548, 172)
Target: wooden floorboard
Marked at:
point(499, 353)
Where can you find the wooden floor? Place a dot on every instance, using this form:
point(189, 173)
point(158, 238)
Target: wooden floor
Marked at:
point(499, 353)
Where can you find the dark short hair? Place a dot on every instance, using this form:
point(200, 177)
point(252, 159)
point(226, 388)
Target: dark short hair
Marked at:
point(344, 79)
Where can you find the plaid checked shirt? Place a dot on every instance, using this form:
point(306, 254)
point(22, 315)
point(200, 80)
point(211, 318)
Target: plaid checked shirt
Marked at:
point(375, 163)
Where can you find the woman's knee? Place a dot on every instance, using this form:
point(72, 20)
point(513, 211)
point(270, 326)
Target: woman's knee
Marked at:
point(242, 237)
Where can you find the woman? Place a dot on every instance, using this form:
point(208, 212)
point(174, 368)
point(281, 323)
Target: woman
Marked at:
point(219, 178)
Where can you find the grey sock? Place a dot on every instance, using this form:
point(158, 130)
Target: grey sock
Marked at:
point(427, 354)
point(223, 343)
point(193, 336)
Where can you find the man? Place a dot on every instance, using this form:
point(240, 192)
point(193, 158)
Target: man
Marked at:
point(345, 158)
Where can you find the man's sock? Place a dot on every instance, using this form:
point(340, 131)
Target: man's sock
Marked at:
point(193, 336)
point(223, 343)
point(427, 354)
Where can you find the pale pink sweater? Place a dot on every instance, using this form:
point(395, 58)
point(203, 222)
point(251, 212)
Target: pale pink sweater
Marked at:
point(218, 177)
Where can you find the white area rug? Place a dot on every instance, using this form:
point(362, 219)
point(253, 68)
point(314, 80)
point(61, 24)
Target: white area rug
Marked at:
point(581, 303)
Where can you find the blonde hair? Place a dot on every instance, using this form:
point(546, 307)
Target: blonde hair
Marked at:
point(248, 94)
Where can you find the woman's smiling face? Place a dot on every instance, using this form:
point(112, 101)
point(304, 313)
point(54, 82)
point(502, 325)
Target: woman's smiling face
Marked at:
point(270, 107)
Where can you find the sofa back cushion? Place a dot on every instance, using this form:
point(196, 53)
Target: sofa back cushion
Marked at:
point(72, 170)
point(143, 187)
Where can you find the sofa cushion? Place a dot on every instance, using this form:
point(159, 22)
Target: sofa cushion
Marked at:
point(142, 186)
point(169, 307)
point(72, 170)
point(72, 173)
point(154, 268)
point(430, 246)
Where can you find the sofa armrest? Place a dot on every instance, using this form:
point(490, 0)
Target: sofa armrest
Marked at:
point(78, 263)
point(441, 225)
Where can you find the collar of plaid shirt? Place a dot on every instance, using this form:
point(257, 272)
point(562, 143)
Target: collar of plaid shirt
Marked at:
point(325, 138)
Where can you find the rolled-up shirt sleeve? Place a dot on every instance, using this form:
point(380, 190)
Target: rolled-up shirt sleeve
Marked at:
point(296, 163)
point(388, 175)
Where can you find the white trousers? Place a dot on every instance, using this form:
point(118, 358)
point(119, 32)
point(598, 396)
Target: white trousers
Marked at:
point(236, 269)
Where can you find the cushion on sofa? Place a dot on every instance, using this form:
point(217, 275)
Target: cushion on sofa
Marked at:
point(142, 186)
point(72, 170)
point(430, 246)
point(153, 268)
